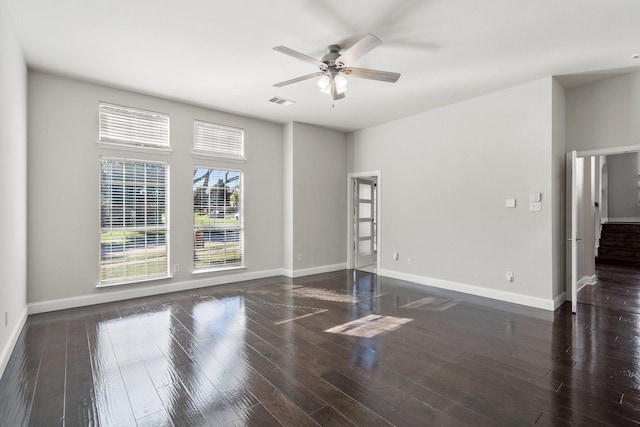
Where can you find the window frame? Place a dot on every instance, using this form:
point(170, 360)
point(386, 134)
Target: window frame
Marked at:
point(241, 227)
point(166, 228)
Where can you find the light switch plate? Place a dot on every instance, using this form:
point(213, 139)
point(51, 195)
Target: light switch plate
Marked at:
point(511, 203)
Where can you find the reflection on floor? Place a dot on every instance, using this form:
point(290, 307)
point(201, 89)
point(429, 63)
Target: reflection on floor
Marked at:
point(257, 354)
point(369, 326)
point(368, 268)
point(432, 303)
point(313, 293)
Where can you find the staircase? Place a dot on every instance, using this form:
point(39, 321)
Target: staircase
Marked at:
point(619, 245)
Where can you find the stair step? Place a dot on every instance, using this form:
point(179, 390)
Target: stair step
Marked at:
point(615, 261)
point(629, 254)
point(612, 235)
point(621, 227)
point(621, 244)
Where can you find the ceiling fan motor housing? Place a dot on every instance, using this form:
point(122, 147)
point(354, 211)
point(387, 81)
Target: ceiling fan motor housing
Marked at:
point(333, 52)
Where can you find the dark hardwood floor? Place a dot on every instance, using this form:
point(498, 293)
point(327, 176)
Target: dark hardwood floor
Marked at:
point(617, 287)
point(340, 348)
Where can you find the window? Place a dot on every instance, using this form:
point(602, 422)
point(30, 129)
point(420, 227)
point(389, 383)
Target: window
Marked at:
point(133, 220)
point(218, 140)
point(217, 219)
point(130, 126)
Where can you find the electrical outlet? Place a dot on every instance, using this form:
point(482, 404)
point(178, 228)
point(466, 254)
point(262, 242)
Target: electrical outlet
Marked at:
point(509, 276)
point(176, 268)
point(299, 257)
point(409, 261)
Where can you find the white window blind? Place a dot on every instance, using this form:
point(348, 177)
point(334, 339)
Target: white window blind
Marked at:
point(217, 219)
point(130, 126)
point(218, 140)
point(133, 221)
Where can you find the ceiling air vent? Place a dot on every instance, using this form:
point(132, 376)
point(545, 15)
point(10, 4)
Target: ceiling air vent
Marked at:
point(281, 101)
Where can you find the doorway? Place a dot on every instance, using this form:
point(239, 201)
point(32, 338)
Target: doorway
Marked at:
point(597, 271)
point(363, 241)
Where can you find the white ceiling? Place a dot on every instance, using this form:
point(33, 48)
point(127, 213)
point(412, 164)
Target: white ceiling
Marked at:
point(219, 54)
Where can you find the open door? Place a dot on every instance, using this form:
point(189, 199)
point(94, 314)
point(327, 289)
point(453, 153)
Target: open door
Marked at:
point(365, 221)
point(572, 228)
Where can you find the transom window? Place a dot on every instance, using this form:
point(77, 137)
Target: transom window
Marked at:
point(131, 126)
point(218, 140)
point(217, 219)
point(133, 220)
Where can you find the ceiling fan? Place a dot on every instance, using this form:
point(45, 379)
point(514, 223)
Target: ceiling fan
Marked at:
point(333, 67)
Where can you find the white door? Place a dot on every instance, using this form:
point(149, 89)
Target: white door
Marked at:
point(572, 227)
point(364, 221)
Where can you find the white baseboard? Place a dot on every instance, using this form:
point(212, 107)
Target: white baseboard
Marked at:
point(11, 342)
point(559, 300)
point(623, 219)
point(586, 281)
point(314, 270)
point(545, 304)
point(105, 295)
point(102, 296)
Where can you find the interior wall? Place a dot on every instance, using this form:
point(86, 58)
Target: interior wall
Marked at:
point(288, 196)
point(588, 245)
point(558, 186)
point(63, 217)
point(597, 202)
point(623, 187)
point(604, 188)
point(447, 175)
point(13, 187)
point(580, 164)
point(604, 114)
point(319, 181)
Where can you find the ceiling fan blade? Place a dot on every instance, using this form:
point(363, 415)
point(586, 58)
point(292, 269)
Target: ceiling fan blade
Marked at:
point(362, 46)
point(299, 79)
point(364, 73)
point(300, 56)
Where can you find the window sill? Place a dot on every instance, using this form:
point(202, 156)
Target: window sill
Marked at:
point(218, 270)
point(134, 148)
point(133, 281)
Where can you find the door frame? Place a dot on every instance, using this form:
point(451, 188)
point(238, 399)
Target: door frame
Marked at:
point(350, 241)
point(572, 227)
point(571, 266)
point(361, 260)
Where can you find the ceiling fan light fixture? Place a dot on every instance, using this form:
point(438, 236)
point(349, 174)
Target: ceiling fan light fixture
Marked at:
point(341, 83)
point(324, 83)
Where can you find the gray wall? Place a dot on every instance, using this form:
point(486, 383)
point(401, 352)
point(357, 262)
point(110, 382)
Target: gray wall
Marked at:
point(288, 196)
point(558, 160)
point(319, 198)
point(13, 185)
point(63, 243)
point(623, 187)
point(445, 176)
point(604, 114)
